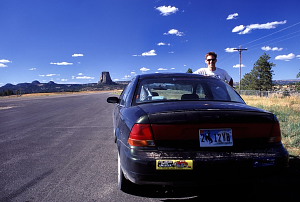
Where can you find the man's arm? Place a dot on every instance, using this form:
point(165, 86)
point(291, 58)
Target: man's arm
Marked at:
point(198, 71)
point(231, 82)
point(228, 78)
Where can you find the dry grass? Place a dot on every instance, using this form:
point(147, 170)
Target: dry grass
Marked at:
point(291, 102)
point(287, 109)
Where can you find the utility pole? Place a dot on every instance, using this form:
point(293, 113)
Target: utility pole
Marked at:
point(240, 51)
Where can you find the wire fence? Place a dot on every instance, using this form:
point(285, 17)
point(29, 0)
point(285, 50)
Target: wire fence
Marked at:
point(269, 93)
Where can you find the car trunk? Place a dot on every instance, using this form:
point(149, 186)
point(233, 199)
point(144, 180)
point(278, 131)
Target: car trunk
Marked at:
point(180, 129)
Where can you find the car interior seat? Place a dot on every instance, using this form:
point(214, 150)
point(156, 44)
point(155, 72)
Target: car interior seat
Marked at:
point(189, 97)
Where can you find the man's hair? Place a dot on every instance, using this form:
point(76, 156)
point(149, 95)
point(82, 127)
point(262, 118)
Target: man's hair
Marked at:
point(212, 54)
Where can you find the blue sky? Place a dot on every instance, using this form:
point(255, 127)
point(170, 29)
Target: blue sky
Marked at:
point(73, 41)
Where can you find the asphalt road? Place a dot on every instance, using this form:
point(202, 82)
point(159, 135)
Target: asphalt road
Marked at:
point(61, 148)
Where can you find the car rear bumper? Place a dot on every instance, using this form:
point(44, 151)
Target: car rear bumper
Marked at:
point(139, 166)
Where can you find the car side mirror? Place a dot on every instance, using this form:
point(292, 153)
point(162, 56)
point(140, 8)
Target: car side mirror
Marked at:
point(113, 100)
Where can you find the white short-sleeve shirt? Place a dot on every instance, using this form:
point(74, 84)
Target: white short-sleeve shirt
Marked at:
point(218, 73)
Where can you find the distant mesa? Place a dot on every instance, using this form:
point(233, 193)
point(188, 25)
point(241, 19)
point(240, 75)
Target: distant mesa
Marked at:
point(104, 84)
point(105, 79)
point(35, 82)
point(51, 83)
point(8, 85)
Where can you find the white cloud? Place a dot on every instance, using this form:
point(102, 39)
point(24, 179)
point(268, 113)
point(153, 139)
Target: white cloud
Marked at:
point(269, 25)
point(5, 61)
point(61, 63)
point(162, 69)
point(277, 49)
point(238, 66)
point(230, 50)
point(163, 44)
point(238, 28)
point(80, 74)
point(298, 56)
point(77, 55)
point(174, 32)
point(247, 29)
point(144, 69)
point(32, 69)
point(172, 68)
point(64, 80)
point(84, 77)
point(149, 53)
point(285, 57)
point(167, 10)
point(49, 75)
point(268, 48)
point(2, 65)
point(232, 16)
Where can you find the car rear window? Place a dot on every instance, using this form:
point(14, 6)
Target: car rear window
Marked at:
point(184, 89)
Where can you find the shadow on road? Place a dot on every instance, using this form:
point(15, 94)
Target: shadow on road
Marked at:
point(27, 186)
point(276, 187)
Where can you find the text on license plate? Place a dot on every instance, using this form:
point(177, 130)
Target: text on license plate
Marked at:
point(221, 137)
point(174, 164)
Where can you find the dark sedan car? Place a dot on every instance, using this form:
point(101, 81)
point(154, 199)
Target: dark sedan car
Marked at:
point(173, 129)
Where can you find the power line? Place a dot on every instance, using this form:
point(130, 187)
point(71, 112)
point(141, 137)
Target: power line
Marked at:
point(272, 33)
point(278, 38)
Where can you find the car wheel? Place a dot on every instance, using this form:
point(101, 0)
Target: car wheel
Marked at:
point(123, 183)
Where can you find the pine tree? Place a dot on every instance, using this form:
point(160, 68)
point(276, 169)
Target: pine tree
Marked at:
point(189, 70)
point(260, 77)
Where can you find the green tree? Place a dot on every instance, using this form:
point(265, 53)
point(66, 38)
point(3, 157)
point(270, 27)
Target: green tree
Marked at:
point(260, 77)
point(249, 82)
point(7, 93)
point(189, 70)
point(298, 75)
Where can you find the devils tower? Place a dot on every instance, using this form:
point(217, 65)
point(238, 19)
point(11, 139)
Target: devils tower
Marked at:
point(105, 79)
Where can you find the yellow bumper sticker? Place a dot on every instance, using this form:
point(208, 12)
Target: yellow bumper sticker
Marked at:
point(174, 164)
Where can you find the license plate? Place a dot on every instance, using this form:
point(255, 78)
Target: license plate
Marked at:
point(215, 137)
point(174, 164)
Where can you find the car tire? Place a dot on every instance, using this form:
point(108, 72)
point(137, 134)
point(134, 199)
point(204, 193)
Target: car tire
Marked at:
point(123, 183)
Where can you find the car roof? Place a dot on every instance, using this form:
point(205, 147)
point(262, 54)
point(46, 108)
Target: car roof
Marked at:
point(167, 75)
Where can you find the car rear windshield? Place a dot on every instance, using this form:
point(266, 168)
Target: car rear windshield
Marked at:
point(184, 89)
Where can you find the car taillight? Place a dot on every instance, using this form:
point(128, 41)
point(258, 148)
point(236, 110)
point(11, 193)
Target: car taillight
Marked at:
point(141, 135)
point(276, 133)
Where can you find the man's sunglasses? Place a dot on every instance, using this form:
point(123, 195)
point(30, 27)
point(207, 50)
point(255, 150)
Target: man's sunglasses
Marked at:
point(211, 60)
